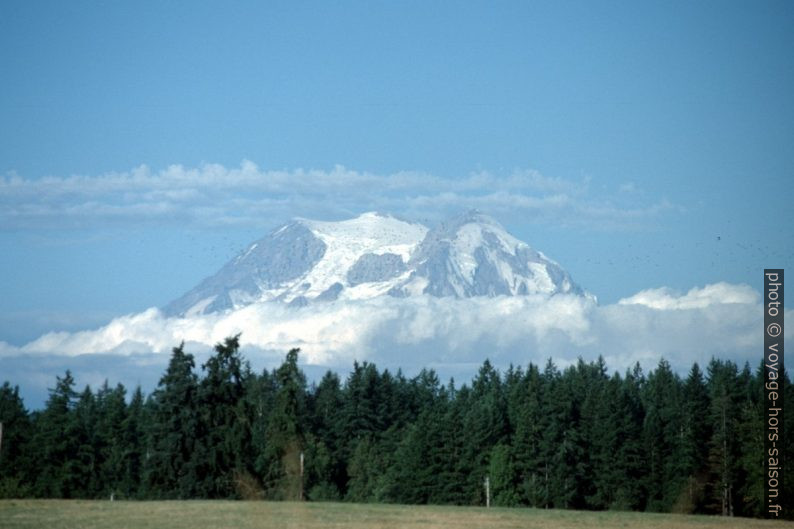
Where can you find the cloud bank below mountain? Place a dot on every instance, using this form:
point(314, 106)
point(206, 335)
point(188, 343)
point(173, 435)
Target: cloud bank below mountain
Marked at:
point(716, 320)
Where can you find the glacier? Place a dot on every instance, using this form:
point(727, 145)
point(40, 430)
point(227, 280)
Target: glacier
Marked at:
point(309, 261)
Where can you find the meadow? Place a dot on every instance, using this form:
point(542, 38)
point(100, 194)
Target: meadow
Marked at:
point(68, 514)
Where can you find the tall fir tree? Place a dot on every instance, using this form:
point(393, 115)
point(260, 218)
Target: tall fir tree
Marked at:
point(723, 458)
point(16, 467)
point(695, 431)
point(223, 454)
point(111, 446)
point(170, 468)
point(133, 444)
point(662, 438)
point(325, 405)
point(54, 441)
point(281, 464)
point(529, 422)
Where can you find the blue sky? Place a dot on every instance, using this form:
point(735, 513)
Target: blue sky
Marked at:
point(640, 144)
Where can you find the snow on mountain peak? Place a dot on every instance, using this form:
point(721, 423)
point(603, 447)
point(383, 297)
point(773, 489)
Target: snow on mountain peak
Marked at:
point(376, 254)
point(349, 240)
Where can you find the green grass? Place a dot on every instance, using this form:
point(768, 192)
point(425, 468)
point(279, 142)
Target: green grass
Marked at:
point(77, 514)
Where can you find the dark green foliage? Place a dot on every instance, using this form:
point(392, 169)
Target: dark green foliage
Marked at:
point(133, 432)
point(623, 487)
point(529, 422)
point(54, 442)
point(172, 451)
point(223, 452)
point(694, 451)
point(502, 476)
point(662, 437)
point(577, 438)
point(15, 462)
point(328, 477)
point(723, 455)
point(281, 461)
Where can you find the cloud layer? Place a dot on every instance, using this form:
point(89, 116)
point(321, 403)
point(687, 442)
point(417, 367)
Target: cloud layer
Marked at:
point(213, 195)
point(717, 320)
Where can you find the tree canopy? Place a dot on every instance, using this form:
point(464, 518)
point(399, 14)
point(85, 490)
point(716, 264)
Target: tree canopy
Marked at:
point(544, 437)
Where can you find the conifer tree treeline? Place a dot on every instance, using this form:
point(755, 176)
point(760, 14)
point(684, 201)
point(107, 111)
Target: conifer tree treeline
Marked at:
point(550, 438)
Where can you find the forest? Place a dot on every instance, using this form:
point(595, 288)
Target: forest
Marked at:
point(576, 438)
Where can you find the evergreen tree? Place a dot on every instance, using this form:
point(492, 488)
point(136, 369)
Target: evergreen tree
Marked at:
point(565, 443)
point(111, 442)
point(281, 462)
point(606, 427)
point(662, 437)
point(694, 448)
point(16, 472)
point(83, 465)
point(260, 395)
point(485, 424)
point(419, 463)
point(366, 467)
point(576, 439)
point(54, 441)
point(223, 453)
point(361, 402)
point(530, 423)
point(133, 443)
point(170, 468)
point(723, 449)
point(326, 422)
point(629, 475)
point(750, 432)
point(502, 476)
point(595, 431)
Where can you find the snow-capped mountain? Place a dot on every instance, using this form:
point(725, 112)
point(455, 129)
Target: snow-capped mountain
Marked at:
point(307, 261)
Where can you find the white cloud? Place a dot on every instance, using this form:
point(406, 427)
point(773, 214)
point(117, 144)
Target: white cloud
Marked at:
point(697, 298)
point(720, 320)
point(247, 195)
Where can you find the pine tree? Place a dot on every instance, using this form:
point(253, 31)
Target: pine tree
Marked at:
point(723, 452)
point(361, 404)
point(662, 438)
point(694, 449)
point(605, 424)
point(529, 422)
point(750, 433)
point(416, 473)
point(565, 442)
point(366, 467)
point(170, 462)
point(133, 443)
point(485, 424)
point(325, 413)
point(224, 453)
point(110, 444)
point(53, 441)
point(280, 463)
point(596, 431)
point(453, 486)
point(502, 476)
point(630, 464)
point(83, 465)
point(16, 467)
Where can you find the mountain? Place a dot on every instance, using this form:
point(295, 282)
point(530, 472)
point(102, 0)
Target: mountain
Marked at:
point(308, 261)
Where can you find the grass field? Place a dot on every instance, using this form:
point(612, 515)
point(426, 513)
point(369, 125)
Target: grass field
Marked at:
point(76, 514)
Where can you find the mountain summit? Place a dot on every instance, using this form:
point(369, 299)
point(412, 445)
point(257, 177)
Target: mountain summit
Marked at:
point(308, 261)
